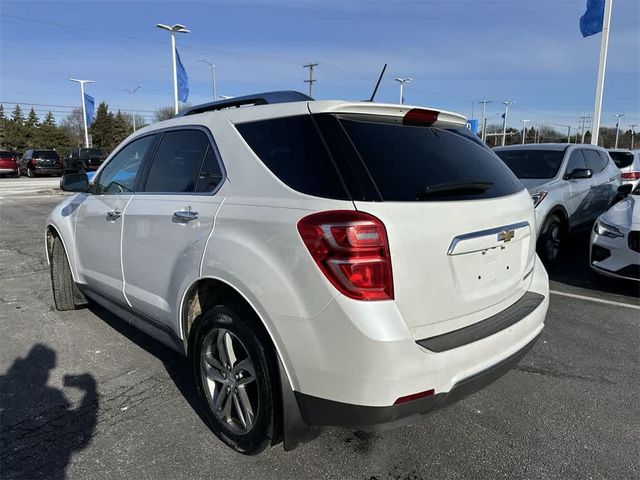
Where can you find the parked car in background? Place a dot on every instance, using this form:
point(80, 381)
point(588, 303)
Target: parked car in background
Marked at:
point(628, 161)
point(8, 164)
point(83, 159)
point(40, 162)
point(570, 184)
point(615, 239)
point(337, 288)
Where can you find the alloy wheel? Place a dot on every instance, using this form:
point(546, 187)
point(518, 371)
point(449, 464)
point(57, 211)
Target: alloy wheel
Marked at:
point(553, 242)
point(229, 380)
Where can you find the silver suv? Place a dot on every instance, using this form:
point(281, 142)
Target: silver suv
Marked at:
point(570, 184)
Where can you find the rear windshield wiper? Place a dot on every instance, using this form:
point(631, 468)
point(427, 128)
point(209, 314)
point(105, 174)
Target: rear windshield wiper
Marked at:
point(471, 188)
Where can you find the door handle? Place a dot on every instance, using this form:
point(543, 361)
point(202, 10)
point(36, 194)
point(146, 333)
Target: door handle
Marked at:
point(184, 216)
point(113, 215)
point(592, 187)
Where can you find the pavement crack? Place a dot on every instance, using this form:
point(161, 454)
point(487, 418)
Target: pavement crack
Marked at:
point(551, 372)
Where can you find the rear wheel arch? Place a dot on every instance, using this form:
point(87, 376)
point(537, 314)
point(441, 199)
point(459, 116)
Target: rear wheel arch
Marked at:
point(207, 293)
point(560, 212)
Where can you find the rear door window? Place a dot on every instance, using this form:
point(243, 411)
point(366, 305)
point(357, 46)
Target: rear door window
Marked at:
point(594, 161)
point(176, 164)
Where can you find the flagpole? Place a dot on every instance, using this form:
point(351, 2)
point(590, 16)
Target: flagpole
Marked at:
point(604, 47)
point(84, 109)
point(175, 73)
point(173, 29)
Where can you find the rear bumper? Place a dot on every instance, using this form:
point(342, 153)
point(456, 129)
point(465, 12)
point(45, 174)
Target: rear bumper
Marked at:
point(38, 169)
point(322, 412)
point(7, 170)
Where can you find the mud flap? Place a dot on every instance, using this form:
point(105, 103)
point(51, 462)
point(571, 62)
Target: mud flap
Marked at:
point(295, 431)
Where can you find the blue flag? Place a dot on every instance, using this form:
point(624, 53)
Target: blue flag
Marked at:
point(183, 80)
point(89, 105)
point(591, 21)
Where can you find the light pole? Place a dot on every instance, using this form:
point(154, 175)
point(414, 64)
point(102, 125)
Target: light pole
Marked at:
point(133, 109)
point(504, 124)
point(484, 118)
point(524, 129)
point(213, 77)
point(173, 29)
point(618, 116)
point(84, 109)
point(633, 132)
point(402, 81)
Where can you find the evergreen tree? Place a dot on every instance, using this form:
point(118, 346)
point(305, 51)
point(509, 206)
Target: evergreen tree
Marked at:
point(102, 127)
point(16, 116)
point(121, 130)
point(31, 129)
point(15, 132)
point(49, 119)
point(2, 116)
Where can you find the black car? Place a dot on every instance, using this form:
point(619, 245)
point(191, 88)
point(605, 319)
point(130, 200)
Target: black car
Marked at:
point(40, 162)
point(83, 159)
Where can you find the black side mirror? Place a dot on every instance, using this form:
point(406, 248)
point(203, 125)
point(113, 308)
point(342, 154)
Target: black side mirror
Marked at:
point(580, 173)
point(625, 190)
point(74, 182)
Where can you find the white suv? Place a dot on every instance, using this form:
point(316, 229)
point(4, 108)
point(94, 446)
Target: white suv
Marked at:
point(319, 262)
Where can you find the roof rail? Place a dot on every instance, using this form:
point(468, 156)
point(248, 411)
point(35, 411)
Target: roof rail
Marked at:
point(265, 98)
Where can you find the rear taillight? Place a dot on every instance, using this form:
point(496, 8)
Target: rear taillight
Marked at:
point(31, 162)
point(420, 117)
point(352, 250)
point(631, 175)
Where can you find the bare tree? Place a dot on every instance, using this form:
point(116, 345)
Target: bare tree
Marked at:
point(74, 126)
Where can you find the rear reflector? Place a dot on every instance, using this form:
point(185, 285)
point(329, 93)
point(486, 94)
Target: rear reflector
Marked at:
point(631, 175)
point(352, 251)
point(420, 117)
point(414, 396)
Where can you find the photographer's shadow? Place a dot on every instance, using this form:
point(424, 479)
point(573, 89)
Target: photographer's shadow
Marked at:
point(40, 429)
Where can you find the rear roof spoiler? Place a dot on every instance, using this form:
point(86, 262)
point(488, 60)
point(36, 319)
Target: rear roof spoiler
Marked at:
point(265, 98)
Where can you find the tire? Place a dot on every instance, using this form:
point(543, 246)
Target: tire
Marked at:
point(239, 410)
point(66, 295)
point(551, 239)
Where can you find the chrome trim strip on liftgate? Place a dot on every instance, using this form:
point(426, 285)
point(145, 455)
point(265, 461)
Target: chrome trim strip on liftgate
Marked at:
point(485, 233)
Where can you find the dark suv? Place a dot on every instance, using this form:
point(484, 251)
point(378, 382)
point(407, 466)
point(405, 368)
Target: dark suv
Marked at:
point(83, 159)
point(40, 162)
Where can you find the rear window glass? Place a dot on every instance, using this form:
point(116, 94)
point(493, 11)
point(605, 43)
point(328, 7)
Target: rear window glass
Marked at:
point(46, 154)
point(409, 163)
point(293, 150)
point(532, 163)
point(622, 159)
point(5, 153)
point(90, 152)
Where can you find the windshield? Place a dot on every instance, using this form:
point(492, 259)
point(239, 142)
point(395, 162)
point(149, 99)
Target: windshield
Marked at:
point(622, 159)
point(532, 164)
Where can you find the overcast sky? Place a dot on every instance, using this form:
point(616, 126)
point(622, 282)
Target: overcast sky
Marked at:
point(457, 51)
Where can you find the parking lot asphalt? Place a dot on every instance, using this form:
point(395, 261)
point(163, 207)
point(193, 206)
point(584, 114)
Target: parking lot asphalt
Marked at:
point(86, 396)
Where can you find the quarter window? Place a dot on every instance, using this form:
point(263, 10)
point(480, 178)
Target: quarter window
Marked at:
point(176, 164)
point(121, 173)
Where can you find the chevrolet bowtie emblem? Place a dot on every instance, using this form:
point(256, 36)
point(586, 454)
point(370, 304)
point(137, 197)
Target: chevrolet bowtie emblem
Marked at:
point(506, 236)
